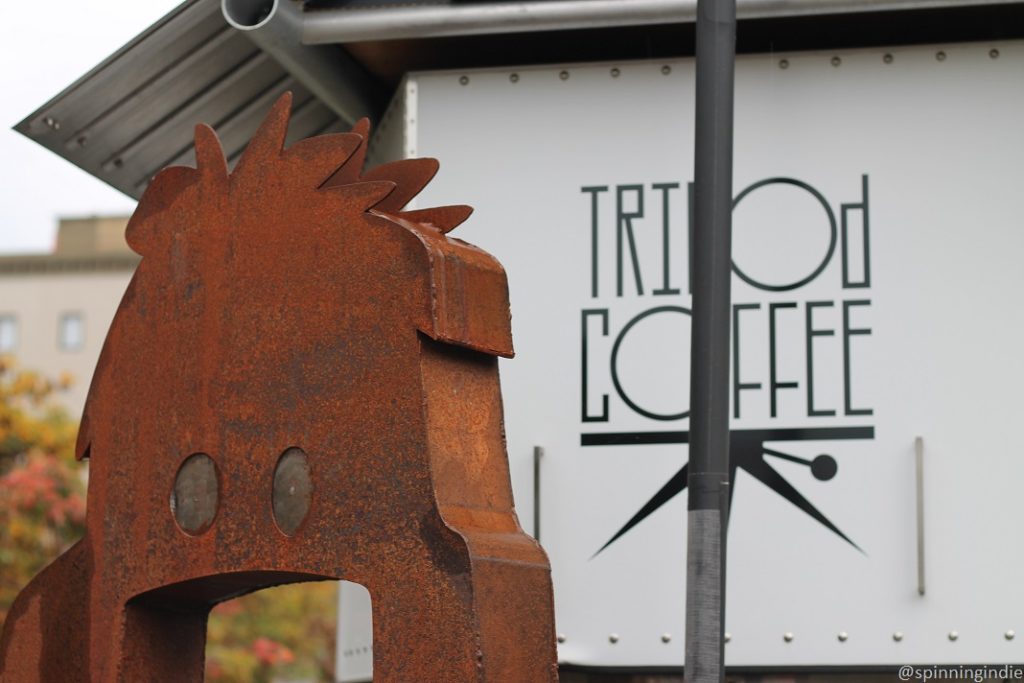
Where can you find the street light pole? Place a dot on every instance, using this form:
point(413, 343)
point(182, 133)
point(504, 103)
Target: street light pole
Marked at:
point(708, 478)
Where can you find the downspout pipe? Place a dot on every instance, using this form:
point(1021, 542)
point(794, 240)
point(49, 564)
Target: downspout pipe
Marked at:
point(708, 469)
point(349, 25)
point(275, 26)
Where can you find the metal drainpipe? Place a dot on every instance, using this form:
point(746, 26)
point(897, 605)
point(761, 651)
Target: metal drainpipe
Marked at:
point(328, 72)
point(347, 25)
point(708, 479)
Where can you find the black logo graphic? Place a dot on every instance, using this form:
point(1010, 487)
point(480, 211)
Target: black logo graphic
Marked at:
point(628, 229)
point(747, 451)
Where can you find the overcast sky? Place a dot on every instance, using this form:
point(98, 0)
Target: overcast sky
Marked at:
point(44, 47)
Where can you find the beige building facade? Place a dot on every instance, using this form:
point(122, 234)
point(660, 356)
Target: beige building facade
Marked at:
point(55, 308)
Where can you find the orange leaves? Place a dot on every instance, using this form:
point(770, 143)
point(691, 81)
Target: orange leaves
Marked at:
point(45, 486)
point(269, 652)
point(30, 485)
point(284, 633)
point(42, 490)
point(26, 418)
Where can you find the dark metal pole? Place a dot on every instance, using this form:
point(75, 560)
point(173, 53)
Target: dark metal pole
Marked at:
point(708, 480)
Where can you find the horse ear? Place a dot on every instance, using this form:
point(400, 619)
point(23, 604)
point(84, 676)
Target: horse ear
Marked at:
point(349, 172)
point(210, 161)
point(362, 127)
point(268, 142)
point(444, 218)
point(360, 197)
point(411, 176)
point(311, 161)
point(83, 443)
point(166, 186)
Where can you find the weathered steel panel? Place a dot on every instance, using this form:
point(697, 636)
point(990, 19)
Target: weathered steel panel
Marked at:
point(272, 312)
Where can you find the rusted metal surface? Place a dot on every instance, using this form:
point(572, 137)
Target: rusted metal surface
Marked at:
point(273, 312)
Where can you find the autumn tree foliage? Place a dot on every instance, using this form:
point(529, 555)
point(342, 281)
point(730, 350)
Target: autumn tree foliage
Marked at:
point(273, 635)
point(42, 488)
point(284, 633)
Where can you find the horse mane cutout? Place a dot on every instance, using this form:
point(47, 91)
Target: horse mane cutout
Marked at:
point(332, 163)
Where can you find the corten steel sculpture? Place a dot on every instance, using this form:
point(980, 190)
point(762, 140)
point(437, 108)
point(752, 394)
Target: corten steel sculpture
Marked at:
point(300, 383)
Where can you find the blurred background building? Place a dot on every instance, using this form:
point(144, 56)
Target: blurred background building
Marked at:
point(55, 308)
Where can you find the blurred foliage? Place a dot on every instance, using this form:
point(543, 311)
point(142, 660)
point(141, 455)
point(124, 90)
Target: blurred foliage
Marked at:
point(42, 488)
point(278, 634)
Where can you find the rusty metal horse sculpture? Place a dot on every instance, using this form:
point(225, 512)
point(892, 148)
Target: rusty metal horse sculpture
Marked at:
point(300, 384)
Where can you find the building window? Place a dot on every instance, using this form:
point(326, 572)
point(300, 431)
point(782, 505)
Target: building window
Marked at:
point(8, 332)
point(70, 332)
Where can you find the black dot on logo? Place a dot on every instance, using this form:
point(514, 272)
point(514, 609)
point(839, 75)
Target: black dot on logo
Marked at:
point(824, 467)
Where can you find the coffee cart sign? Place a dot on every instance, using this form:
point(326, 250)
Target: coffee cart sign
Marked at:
point(876, 274)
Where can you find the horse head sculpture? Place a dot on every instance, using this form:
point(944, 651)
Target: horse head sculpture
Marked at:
point(300, 384)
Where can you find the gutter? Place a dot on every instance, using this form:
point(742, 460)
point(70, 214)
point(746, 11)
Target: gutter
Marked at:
point(349, 25)
point(329, 73)
point(303, 42)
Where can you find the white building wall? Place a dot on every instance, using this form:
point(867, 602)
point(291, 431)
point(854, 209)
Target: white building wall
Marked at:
point(38, 300)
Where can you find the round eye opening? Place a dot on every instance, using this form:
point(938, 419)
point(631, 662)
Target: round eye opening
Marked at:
point(293, 490)
point(194, 497)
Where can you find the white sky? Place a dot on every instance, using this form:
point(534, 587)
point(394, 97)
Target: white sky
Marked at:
point(44, 47)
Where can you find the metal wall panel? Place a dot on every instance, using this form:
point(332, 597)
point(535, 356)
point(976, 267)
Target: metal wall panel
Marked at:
point(901, 168)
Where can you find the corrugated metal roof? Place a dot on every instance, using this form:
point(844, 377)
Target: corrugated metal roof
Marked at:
point(134, 113)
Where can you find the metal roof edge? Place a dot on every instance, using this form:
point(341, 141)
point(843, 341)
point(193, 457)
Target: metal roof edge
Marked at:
point(23, 126)
point(134, 113)
point(345, 25)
